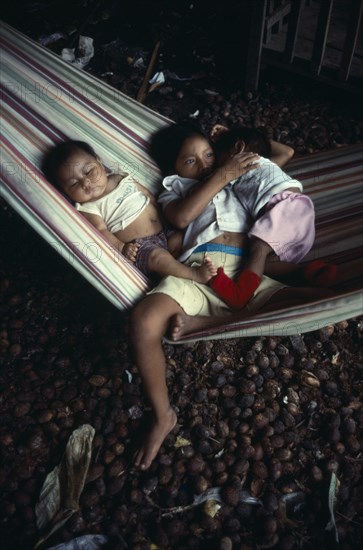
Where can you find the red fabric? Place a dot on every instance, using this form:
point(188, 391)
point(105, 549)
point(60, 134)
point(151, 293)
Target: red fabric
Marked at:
point(235, 294)
point(319, 273)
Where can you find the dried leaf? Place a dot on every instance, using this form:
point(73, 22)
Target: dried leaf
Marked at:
point(59, 496)
point(333, 490)
point(211, 494)
point(129, 376)
point(247, 498)
point(78, 458)
point(220, 453)
point(181, 442)
point(214, 493)
point(49, 499)
point(335, 358)
point(211, 508)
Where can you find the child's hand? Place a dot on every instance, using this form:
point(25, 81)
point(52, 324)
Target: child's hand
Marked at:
point(238, 164)
point(216, 131)
point(130, 251)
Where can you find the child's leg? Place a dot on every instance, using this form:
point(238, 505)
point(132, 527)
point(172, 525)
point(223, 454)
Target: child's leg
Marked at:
point(162, 262)
point(288, 225)
point(149, 323)
point(286, 228)
point(182, 324)
point(257, 256)
point(175, 243)
point(237, 294)
point(316, 272)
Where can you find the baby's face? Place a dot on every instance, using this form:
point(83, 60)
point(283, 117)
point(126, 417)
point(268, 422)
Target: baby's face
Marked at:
point(196, 158)
point(82, 177)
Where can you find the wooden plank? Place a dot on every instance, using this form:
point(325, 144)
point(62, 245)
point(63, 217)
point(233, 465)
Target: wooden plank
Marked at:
point(351, 39)
point(321, 35)
point(292, 30)
point(302, 68)
point(276, 16)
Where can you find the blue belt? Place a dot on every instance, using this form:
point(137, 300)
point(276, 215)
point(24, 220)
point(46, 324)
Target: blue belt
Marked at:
point(217, 247)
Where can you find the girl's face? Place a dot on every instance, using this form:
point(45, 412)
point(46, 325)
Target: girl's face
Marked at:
point(82, 177)
point(196, 158)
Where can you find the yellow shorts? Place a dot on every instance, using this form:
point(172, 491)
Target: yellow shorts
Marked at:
point(199, 299)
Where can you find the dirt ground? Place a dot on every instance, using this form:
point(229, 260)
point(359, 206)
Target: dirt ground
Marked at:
point(267, 423)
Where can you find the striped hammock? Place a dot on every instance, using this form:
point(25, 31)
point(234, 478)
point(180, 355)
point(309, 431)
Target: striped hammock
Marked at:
point(45, 100)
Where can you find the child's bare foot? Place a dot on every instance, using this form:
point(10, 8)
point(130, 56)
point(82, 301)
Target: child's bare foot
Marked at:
point(182, 324)
point(319, 273)
point(153, 441)
point(177, 326)
point(205, 272)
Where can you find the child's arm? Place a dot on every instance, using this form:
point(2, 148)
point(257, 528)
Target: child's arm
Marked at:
point(146, 192)
point(280, 153)
point(129, 250)
point(99, 224)
point(182, 212)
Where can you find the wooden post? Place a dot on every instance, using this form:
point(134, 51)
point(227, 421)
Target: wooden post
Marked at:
point(351, 39)
point(254, 46)
point(321, 35)
point(143, 88)
point(292, 30)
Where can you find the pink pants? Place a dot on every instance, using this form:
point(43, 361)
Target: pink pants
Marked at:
point(288, 225)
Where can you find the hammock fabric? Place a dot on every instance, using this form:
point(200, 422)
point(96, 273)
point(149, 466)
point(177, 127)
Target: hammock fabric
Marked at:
point(46, 100)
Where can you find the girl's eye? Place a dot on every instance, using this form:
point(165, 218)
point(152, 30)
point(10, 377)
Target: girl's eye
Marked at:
point(210, 154)
point(189, 161)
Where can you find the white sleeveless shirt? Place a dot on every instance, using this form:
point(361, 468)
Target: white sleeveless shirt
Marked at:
point(119, 208)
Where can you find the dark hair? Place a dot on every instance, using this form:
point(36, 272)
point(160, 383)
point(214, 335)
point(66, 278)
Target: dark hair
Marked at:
point(59, 154)
point(166, 143)
point(255, 138)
